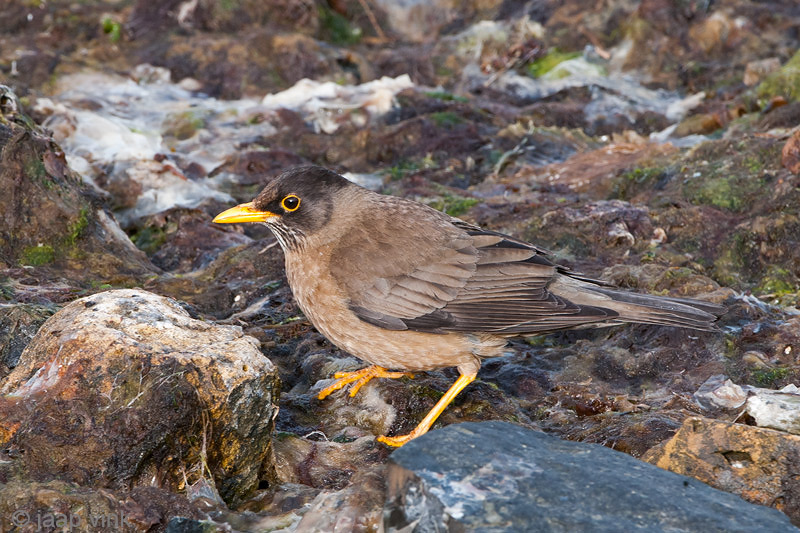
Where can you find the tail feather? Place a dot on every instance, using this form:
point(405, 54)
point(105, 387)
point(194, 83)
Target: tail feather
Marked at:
point(663, 310)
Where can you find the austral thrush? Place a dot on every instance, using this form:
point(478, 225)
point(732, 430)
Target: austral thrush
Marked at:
point(403, 286)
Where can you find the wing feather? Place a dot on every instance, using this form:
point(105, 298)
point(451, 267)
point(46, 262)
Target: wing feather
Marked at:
point(475, 281)
point(445, 275)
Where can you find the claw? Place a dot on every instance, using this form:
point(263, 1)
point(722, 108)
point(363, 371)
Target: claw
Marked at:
point(361, 378)
point(423, 427)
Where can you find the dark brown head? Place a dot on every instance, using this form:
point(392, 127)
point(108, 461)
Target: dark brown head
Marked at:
point(294, 205)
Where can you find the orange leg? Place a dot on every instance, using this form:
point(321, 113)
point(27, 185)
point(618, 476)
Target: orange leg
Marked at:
point(361, 378)
point(462, 381)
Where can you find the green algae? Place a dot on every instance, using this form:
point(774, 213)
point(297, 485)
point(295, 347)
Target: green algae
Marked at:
point(784, 82)
point(76, 229)
point(453, 205)
point(769, 377)
point(337, 29)
point(445, 96)
point(149, 239)
point(112, 28)
point(446, 119)
point(42, 254)
point(634, 181)
point(545, 64)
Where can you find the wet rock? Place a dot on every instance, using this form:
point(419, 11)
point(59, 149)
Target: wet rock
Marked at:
point(245, 285)
point(281, 498)
point(606, 227)
point(357, 508)
point(371, 410)
point(58, 505)
point(758, 464)
point(49, 217)
point(250, 171)
point(18, 324)
point(324, 464)
point(504, 477)
point(418, 21)
point(767, 408)
point(147, 19)
point(597, 170)
point(786, 116)
point(183, 240)
point(415, 20)
point(130, 391)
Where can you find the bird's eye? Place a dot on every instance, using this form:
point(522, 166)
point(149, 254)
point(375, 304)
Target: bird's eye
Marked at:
point(290, 203)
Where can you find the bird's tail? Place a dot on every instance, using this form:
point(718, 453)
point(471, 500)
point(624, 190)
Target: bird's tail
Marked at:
point(662, 310)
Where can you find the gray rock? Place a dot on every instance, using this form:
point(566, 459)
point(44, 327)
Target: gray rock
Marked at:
point(499, 477)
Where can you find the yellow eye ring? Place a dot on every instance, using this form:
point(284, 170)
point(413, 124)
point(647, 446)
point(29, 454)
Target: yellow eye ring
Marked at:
point(290, 203)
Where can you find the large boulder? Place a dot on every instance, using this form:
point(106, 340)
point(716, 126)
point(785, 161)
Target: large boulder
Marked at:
point(124, 388)
point(759, 464)
point(496, 476)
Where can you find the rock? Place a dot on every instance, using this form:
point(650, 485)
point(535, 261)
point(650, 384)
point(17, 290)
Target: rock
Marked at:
point(32, 506)
point(776, 409)
point(129, 390)
point(49, 217)
point(415, 20)
point(701, 124)
point(784, 116)
point(357, 508)
point(596, 170)
point(324, 464)
point(18, 325)
point(420, 20)
point(497, 477)
point(718, 392)
point(782, 82)
point(183, 240)
point(713, 34)
point(596, 228)
point(759, 464)
point(790, 155)
point(755, 71)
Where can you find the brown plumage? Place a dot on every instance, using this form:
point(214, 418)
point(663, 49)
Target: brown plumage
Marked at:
point(404, 286)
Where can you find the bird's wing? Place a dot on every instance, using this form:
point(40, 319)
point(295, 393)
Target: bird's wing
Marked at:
point(508, 293)
point(447, 275)
point(392, 274)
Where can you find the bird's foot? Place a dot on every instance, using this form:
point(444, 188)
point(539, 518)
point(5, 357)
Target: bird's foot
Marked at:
point(359, 378)
point(398, 440)
point(426, 423)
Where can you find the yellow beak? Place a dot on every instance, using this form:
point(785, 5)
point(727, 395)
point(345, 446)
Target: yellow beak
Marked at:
point(243, 213)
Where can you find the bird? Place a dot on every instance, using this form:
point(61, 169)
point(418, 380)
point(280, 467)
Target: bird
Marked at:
point(407, 288)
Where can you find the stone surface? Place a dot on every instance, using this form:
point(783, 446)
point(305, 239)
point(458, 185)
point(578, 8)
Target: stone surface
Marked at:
point(61, 506)
point(324, 464)
point(130, 390)
point(759, 464)
point(776, 409)
point(356, 508)
point(755, 71)
point(720, 392)
point(497, 477)
point(18, 325)
point(48, 216)
point(587, 165)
